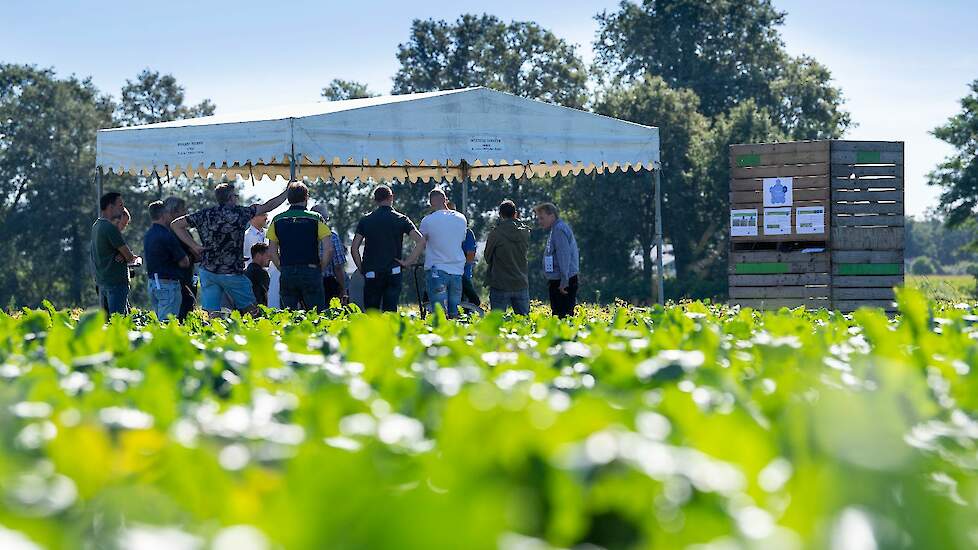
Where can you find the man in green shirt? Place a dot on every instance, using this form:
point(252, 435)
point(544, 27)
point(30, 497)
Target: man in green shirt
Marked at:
point(111, 256)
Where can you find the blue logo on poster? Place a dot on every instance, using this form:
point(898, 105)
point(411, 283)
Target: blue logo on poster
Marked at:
point(778, 191)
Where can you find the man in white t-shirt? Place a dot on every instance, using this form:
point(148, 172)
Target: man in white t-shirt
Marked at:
point(444, 261)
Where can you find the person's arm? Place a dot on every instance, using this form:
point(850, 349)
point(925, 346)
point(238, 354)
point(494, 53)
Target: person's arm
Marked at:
point(127, 254)
point(490, 248)
point(177, 252)
point(355, 251)
point(273, 249)
point(181, 229)
point(273, 203)
point(561, 243)
point(326, 245)
point(419, 244)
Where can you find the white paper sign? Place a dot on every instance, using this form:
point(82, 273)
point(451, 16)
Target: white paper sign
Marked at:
point(485, 144)
point(810, 219)
point(777, 192)
point(189, 150)
point(743, 223)
point(777, 221)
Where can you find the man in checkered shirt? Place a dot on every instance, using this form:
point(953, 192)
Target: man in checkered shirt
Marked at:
point(334, 274)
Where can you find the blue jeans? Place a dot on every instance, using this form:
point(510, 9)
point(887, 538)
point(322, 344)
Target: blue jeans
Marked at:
point(165, 299)
point(302, 283)
point(114, 299)
point(444, 289)
point(519, 300)
point(214, 285)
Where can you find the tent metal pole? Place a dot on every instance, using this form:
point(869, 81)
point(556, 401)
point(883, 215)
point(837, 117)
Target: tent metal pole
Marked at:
point(659, 275)
point(292, 166)
point(465, 197)
point(98, 190)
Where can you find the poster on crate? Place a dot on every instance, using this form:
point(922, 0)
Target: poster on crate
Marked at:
point(777, 221)
point(743, 223)
point(810, 220)
point(777, 192)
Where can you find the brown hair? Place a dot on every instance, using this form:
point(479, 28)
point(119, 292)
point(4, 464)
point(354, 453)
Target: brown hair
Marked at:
point(258, 248)
point(297, 193)
point(156, 210)
point(507, 209)
point(382, 193)
point(224, 193)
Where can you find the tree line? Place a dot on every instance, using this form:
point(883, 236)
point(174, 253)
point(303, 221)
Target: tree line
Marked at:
point(707, 73)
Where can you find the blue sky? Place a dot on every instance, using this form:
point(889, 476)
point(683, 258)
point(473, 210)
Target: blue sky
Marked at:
point(903, 65)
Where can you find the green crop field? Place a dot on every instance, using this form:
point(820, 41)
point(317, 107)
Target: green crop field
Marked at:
point(690, 427)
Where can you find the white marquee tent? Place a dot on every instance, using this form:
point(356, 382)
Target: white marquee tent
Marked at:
point(467, 134)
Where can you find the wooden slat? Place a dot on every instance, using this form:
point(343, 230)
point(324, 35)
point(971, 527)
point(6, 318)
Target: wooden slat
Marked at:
point(789, 267)
point(750, 197)
point(779, 148)
point(850, 157)
point(776, 256)
point(867, 256)
point(866, 281)
point(780, 292)
point(868, 208)
point(872, 219)
point(844, 171)
point(882, 146)
point(780, 280)
point(871, 238)
point(777, 303)
point(754, 184)
point(820, 169)
point(852, 305)
point(862, 293)
point(777, 159)
point(867, 196)
point(852, 184)
point(892, 268)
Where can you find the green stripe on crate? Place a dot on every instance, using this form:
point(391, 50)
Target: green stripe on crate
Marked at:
point(867, 157)
point(869, 269)
point(760, 268)
point(748, 160)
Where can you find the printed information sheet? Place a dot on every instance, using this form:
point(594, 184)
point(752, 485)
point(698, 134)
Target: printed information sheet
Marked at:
point(743, 223)
point(777, 221)
point(810, 220)
point(777, 192)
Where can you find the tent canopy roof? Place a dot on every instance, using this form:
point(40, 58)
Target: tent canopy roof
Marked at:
point(473, 132)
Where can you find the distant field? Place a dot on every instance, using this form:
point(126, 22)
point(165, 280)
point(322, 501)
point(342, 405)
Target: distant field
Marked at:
point(944, 287)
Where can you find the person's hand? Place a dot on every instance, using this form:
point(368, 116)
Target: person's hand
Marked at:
point(404, 263)
point(197, 250)
point(563, 290)
point(137, 261)
point(345, 300)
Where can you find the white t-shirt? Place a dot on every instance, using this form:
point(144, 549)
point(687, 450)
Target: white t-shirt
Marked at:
point(444, 230)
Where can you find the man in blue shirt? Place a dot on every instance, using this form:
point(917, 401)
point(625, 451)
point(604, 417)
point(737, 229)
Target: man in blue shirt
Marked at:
point(165, 262)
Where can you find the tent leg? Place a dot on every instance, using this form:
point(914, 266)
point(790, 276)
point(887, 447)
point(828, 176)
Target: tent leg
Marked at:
point(98, 190)
point(659, 275)
point(292, 167)
point(465, 197)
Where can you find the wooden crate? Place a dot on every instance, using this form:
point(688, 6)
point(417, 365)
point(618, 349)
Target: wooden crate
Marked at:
point(806, 162)
point(867, 223)
point(860, 186)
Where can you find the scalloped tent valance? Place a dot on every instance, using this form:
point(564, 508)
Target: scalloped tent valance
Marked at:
point(474, 133)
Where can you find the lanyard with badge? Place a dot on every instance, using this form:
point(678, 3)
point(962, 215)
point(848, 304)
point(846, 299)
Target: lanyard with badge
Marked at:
point(548, 255)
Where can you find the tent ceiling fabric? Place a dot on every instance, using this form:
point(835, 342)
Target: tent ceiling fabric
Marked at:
point(474, 132)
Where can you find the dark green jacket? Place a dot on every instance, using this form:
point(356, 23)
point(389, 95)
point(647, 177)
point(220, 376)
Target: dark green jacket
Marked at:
point(505, 254)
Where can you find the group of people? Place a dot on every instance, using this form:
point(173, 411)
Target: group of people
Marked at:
point(299, 262)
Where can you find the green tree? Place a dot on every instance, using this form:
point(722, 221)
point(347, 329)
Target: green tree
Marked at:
point(153, 97)
point(339, 89)
point(727, 51)
point(922, 266)
point(519, 57)
point(958, 174)
point(687, 211)
point(47, 156)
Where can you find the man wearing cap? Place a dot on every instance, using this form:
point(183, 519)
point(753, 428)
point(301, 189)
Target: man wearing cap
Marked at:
point(295, 238)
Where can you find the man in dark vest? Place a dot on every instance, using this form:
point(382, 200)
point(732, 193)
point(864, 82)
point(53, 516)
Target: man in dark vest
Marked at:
point(294, 238)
